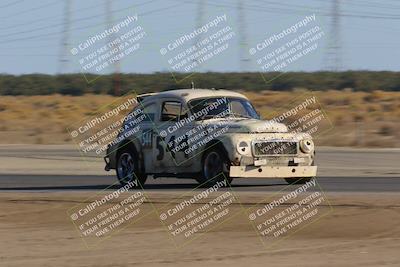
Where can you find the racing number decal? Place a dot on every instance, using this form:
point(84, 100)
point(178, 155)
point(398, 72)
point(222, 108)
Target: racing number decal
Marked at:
point(160, 148)
point(170, 148)
point(147, 138)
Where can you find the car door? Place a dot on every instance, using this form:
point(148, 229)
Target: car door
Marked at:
point(147, 133)
point(169, 153)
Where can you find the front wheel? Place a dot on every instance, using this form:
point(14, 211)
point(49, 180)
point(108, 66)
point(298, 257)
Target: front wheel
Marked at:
point(128, 168)
point(298, 180)
point(215, 167)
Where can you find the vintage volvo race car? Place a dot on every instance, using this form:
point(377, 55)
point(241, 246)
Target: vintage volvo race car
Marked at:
point(207, 135)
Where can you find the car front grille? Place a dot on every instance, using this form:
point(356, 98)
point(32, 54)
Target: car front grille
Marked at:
point(270, 148)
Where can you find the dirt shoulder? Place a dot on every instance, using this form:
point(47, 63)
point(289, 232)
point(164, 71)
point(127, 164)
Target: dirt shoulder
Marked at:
point(360, 230)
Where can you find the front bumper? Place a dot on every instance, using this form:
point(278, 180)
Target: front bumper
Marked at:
point(273, 171)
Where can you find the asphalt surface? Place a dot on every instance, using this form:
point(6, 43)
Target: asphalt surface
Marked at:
point(62, 168)
point(23, 183)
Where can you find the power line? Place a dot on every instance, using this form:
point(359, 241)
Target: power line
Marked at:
point(57, 16)
point(31, 9)
point(244, 7)
point(43, 19)
point(368, 4)
point(12, 3)
point(84, 27)
point(275, 10)
point(63, 23)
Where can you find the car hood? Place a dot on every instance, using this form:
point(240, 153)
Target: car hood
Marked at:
point(248, 125)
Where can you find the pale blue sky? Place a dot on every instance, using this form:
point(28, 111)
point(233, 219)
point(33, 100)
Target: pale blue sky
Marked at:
point(30, 31)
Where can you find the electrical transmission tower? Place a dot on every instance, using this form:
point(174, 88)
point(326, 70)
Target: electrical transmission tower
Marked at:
point(243, 54)
point(64, 48)
point(116, 79)
point(201, 10)
point(334, 49)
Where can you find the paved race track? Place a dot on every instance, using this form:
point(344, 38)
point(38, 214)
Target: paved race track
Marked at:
point(97, 182)
point(62, 168)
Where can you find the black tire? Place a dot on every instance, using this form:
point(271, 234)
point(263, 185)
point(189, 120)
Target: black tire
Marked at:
point(298, 180)
point(215, 167)
point(128, 168)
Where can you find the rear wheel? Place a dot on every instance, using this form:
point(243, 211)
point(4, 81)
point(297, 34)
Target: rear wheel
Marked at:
point(298, 180)
point(215, 167)
point(128, 170)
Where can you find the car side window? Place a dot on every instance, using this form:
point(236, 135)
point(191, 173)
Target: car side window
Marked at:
point(149, 110)
point(171, 111)
point(238, 108)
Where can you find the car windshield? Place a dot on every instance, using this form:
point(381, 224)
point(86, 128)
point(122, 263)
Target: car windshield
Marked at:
point(214, 107)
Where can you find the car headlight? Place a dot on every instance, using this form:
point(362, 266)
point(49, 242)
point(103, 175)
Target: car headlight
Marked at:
point(307, 146)
point(243, 148)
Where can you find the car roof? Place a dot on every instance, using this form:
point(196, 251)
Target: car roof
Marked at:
point(189, 94)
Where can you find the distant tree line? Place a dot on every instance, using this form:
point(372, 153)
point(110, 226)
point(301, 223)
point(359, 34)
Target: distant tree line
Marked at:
point(76, 84)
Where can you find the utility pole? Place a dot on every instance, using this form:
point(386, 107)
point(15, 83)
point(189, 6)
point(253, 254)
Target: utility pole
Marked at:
point(64, 47)
point(334, 50)
point(243, 55)
point(199, 20)
point(116, 76)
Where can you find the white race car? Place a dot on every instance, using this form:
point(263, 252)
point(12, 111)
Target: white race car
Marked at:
point(202, 134)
